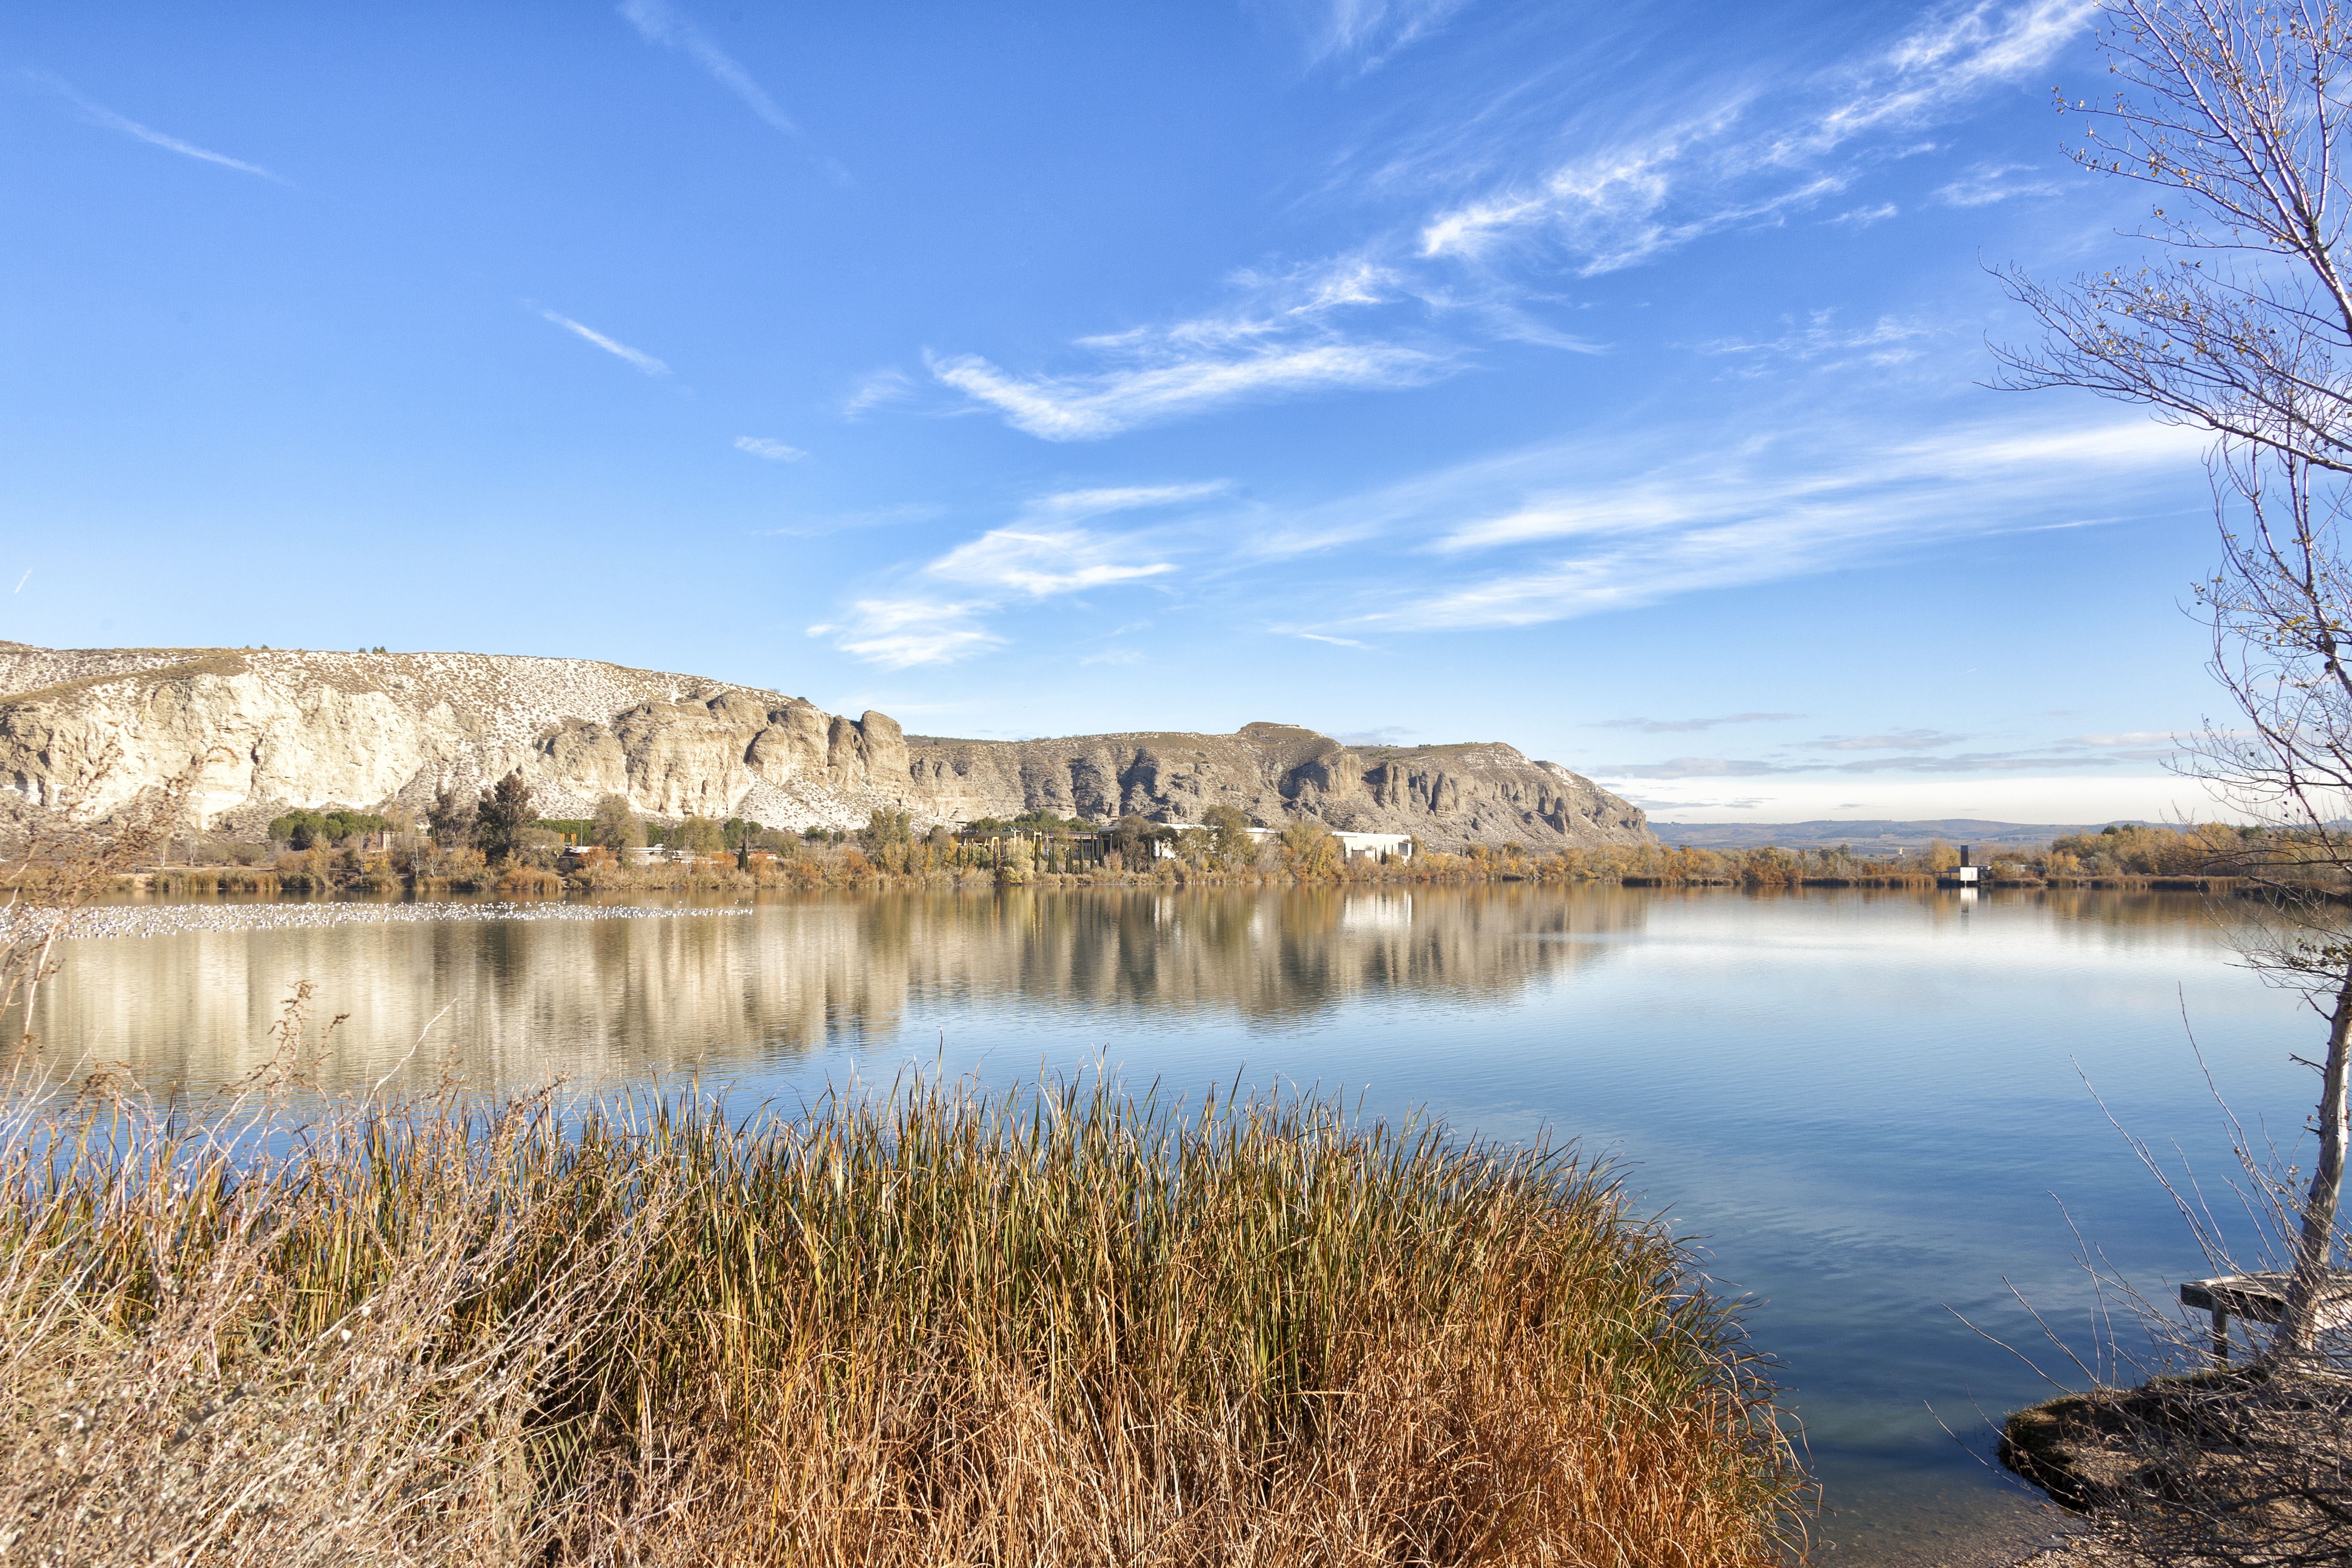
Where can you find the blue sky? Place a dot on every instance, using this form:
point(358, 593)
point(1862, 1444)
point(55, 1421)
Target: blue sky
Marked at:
point(1603, 380)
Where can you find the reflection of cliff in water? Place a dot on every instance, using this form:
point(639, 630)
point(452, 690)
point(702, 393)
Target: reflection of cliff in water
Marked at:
point(721, 991)
point(1260, 956)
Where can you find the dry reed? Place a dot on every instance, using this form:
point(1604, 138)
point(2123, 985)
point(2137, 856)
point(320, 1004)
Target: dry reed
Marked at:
point(1060, 1326)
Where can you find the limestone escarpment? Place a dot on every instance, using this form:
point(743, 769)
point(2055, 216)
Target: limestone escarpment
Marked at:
point(264, 730)
point(1448, 796)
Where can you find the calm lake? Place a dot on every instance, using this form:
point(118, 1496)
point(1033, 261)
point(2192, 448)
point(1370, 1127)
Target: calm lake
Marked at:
point(1870, 1105)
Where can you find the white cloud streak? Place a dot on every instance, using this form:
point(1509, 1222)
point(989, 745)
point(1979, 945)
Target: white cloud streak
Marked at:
point(659, 23)
point(1089, 407)
point(1887, 341)
point(1652, 193)
point(1984, 186)
point(897, 634)
point(1335, 325)
point(1580, 528)
point(1035, 563)
point(99, 115)
point(774, 451)
point(1864, 217)
point(874, 391)
point(1678, 726)
point(642, 361)
point(934, 614)
point(1369, 33)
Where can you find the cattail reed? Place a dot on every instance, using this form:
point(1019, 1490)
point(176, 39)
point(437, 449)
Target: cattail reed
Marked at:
point(1060, 1325)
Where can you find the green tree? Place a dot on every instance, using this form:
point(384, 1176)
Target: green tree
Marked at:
point(1229, 832)
point(885, 828)
point(614, 825)
point(698, 836)
point(500, 817)
point(450, 817)
point(1133, 837)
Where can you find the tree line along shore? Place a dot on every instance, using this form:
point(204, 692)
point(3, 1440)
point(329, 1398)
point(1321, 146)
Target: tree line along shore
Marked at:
point(499, 847)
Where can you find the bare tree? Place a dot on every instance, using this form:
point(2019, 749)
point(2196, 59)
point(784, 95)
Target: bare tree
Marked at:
point(2232, 113)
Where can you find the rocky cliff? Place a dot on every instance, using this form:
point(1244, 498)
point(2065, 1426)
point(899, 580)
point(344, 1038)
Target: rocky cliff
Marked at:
point(1450, 795)
point(265, 731)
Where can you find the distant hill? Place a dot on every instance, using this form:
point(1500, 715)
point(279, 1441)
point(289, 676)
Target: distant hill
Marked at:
point(1880, 835)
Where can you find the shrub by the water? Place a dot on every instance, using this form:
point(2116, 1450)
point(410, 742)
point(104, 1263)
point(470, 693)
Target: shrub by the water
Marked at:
point(301, 829)
point(1056, 1327)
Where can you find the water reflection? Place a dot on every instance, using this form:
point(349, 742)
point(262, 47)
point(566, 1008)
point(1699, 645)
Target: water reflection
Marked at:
point(521, 1001)
point(1864, 1100)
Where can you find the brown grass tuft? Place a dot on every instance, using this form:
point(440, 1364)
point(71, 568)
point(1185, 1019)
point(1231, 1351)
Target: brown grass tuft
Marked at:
point(1057, 1326)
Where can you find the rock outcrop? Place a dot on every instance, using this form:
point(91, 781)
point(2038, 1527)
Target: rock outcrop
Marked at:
point(266, 731)
point(1449, 796)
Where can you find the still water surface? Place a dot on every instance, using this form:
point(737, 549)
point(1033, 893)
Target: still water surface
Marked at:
point(1871, 1106)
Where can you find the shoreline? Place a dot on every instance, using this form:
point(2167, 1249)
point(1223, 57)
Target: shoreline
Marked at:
point(813, 875)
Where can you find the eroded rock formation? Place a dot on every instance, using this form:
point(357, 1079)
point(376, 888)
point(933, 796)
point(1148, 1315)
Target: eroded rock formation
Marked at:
point(1450, 795)
point(267, 731)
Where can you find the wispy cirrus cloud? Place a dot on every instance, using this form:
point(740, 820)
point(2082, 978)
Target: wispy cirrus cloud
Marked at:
point(1592, 524)
point(1903, 741)
point(657, 22)
point(1366, 34)
point(1988, 184)
point(1678, 726)
point(936, 613)
point(1864, 217)
point(620, 351)
point(1757, 767)
point(660, 23)
point(1755, 155)
point(99, 115)
point(1120, 497)
point(1481, 260)
point(1919, 750)
point(2127, 738)
point(875, 390)
point(1955, 52)
point(1885, 342)
point(897, 634)
point(1809, 498)
point(1035, 563)
point(1148, 375)
point(773, 450)
point(1609, 211)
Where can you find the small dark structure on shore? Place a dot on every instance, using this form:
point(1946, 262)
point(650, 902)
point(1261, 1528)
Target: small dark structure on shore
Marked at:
point(1964, 875)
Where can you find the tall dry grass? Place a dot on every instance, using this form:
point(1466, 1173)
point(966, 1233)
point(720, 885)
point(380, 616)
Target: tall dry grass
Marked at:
point(939, 1326)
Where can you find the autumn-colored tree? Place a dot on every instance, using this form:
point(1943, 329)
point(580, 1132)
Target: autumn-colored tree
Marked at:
point(1309, 850)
